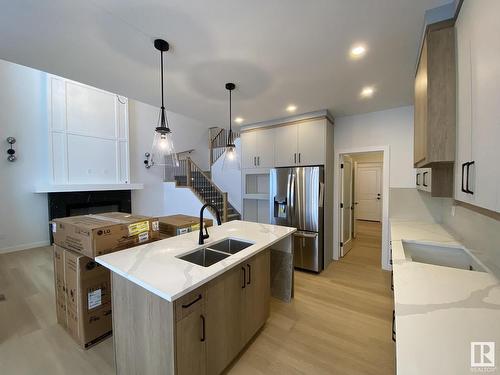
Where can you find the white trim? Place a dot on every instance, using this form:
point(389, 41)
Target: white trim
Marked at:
point(85, 187)
point(284, 120)
point(27, 246)
point(385, 200)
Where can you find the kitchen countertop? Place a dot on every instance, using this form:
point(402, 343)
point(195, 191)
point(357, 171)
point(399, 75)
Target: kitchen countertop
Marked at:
point(154, 266)
point(440, 310)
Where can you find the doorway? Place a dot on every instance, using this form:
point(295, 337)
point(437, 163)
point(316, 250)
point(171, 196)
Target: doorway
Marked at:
point(361, 197)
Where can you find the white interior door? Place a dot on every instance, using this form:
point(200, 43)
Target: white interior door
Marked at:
point(368, 192)
point(346, 205)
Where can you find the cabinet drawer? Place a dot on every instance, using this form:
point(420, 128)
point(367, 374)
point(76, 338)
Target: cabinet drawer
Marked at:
point(189, 303)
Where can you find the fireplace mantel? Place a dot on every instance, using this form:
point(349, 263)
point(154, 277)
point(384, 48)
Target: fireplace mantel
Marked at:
point(85, 187)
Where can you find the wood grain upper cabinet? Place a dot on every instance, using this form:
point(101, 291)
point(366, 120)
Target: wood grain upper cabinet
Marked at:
point(302, 143)
point(477, 175)
point(435, 119)
point(257, 148)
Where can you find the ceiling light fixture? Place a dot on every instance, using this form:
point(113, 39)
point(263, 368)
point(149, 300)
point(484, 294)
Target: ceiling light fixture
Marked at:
point(239, 120)
point(163, 151)
point(367, 92)
point(231, 157)
point(358, 51)
point(291, 108)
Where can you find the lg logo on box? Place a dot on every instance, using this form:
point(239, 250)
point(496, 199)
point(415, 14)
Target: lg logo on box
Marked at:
point(482, 356)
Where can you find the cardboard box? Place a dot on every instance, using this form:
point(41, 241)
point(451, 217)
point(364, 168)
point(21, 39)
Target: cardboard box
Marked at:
point(87, 285)
point(94, 235)
point(60, 288)
point(175, 225)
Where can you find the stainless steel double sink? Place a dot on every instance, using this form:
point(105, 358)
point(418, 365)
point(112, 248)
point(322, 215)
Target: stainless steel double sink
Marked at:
point(215, 252)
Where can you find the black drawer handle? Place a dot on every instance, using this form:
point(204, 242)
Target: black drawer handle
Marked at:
point(418, 179)
point(463, 173)
point(249, 274)
point(467, 190)
point(423, 177)
point(192, 302)
point(203, 334)
point(243, 286)
point(393, 326)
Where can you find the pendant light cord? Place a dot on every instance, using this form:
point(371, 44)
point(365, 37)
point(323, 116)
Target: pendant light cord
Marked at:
point(163, 115)
point(230, 136)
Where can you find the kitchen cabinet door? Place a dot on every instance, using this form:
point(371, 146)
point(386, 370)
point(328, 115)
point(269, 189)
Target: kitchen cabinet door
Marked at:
point(258, 286)
point(191, 342)
point(285, 151)
point(248, 150)
point(464, 101)
point(485, 56)
point(311, 142)
point(224, 309)
point(420, 114)
point(264, 145)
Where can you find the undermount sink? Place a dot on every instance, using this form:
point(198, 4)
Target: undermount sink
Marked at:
point(453, 257)
point(204, 257)
point(216, 252)
point(230, 245)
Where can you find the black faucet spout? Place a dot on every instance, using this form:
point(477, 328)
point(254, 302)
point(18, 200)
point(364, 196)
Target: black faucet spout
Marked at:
point(204, 236)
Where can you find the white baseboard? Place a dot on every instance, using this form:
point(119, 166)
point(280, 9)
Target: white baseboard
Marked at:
point(26, 246)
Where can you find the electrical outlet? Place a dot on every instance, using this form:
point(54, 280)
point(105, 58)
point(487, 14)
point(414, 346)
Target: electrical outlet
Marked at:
point(452, 210)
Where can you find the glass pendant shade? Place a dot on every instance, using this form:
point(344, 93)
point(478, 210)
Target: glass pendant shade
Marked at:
point(163, 151)
point(231, 159)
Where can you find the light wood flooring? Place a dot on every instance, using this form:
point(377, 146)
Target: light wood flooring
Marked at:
point(338, 323)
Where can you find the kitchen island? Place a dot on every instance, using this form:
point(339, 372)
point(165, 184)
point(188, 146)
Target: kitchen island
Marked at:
point(173, 316)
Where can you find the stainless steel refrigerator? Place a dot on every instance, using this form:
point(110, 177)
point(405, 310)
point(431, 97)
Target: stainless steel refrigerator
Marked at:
point(297, 196)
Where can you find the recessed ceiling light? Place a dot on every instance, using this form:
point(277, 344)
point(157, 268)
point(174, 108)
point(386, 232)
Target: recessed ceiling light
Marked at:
point(367, 92)
point(291, 108)
point(239, 120)
point(358, 51)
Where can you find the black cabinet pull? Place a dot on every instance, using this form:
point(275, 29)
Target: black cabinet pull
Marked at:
point(295, 158)
point(192, 302)
point(417, 182)
point(203, 337)
point(299, 157)
point(467, 190)
point(249, 274)
point(423, 179)
point(392, 280)
point(393, 325)
point(463, 170)
point(243, 286)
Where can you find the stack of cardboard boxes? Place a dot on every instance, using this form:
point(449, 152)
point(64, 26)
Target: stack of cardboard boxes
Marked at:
point(83, 287)
point(175, 225)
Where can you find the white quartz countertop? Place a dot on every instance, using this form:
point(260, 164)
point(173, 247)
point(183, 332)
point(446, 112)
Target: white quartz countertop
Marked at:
point(439, 310)
point(155, 266)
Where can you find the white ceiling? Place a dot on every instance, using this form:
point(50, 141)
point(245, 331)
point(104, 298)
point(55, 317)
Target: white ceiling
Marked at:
point(276, 51)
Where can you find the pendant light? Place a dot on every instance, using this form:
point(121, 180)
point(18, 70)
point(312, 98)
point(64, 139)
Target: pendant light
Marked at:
point(231, 160)
point(163, 151)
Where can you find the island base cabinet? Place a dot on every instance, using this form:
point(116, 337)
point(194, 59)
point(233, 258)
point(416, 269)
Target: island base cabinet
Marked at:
point(202, 332)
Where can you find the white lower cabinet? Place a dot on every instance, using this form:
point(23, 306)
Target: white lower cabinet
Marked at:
point(423, 179)
point(477, 174)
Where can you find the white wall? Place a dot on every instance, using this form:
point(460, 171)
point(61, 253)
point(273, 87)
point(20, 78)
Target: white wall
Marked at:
point(187, 134)
point(392, 127)
point(182, 201)
point(229, 180)
point(23, 214)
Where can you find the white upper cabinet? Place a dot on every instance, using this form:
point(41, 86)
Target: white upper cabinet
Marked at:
point(477, 176)
point(88, 134)
point(285, 149)
point(257, 149)
point(301, 143)
point(311, 142)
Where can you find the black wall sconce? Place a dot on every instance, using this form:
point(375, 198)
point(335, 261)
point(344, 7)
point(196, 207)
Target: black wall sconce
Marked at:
point(148, 163)
point(11, 151)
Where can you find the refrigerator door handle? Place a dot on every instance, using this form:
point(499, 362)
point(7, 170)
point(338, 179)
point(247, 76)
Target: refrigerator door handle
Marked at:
point(305, 234)
point(289, 199)
point(292, 198)
point(321, 194)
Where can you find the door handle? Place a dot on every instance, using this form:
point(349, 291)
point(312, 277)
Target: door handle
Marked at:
point(467, 180)
point(299, 157)
point(295, 158)
point(378, 198)
point(203, 333)
point(254, 161)
point(423, 178)
point(249, 274)
point(393, 325)
point(418, 179)
point(463, 174)
point(243, 286)
point(258, 161)
point(192, 302)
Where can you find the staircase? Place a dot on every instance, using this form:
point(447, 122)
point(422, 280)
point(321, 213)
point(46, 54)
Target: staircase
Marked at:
point(189, 175)
point(217, 142)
